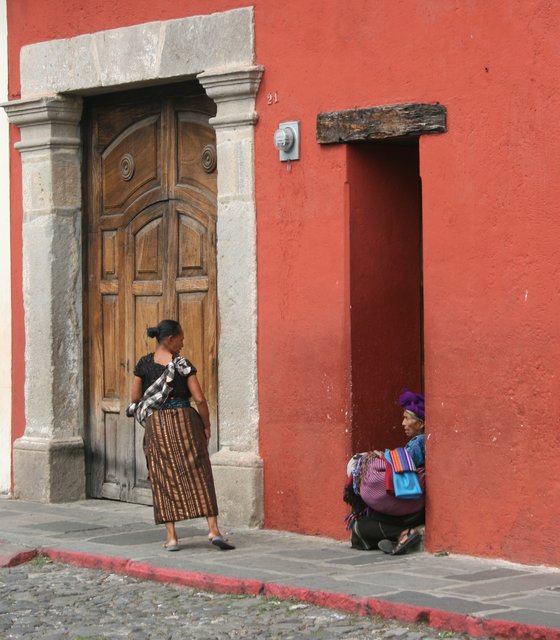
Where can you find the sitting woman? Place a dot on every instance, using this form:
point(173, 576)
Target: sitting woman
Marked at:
point(379, 519)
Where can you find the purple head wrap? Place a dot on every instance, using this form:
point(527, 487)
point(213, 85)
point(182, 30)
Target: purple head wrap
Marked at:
point(413, 402)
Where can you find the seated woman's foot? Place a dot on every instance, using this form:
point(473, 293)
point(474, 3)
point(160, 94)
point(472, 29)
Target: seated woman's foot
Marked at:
point(387, 546)
point(408, 539)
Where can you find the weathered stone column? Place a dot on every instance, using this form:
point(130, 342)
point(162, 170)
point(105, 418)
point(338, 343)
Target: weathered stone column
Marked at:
point(237, 464)
point(49, 461)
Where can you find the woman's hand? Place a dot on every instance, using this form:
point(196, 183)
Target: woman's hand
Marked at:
point(379, 454)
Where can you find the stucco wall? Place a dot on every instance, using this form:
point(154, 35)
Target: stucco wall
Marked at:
point(491, 256)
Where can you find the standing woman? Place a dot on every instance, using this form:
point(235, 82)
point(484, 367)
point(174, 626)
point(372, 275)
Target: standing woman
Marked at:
point(177, 436)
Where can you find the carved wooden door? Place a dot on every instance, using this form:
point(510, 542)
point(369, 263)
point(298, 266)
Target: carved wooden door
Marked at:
point(151, 244)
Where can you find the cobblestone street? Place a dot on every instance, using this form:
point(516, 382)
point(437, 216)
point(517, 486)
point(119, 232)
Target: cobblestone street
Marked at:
point(58, 602)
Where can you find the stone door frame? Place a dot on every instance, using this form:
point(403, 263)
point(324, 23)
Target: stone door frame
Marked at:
point(218, 49)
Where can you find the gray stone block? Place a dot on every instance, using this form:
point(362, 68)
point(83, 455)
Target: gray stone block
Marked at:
point(491, 574)
point(138, 46)
point(49, 470)
point(362, 558)
point(139, 54)
point(540, 600)
point(58, 66)
point(392, 581)
point(281, 566)
point(530, 616)
point(331, 584)
point(314, 554)
point(151, 536)
point(65, 526)
point(444, 603)
point(238, 477)
point(197, 43)
point(505, 586)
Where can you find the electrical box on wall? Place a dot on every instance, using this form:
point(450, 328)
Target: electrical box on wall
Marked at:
point(286, 140)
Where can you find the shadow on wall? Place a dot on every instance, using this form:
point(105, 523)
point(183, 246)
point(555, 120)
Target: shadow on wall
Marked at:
point(386, 287)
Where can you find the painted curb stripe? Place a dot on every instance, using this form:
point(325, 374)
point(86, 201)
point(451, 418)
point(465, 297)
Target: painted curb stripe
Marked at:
point(17, 558)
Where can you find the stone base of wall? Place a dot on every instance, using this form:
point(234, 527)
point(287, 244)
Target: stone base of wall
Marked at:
point(49, 470)
point(238, 477)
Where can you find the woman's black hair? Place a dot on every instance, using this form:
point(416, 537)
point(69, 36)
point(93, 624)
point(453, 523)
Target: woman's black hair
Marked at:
point(165, 329)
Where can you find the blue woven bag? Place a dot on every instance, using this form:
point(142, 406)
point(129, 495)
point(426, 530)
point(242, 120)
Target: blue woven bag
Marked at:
point(405, 483)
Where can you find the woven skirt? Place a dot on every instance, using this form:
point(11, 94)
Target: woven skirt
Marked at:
point(179, 466)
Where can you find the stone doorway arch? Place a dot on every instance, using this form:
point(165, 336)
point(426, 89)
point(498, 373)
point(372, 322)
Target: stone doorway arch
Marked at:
point(218, 49)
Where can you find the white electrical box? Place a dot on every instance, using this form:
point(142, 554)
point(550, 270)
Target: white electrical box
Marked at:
point(286, 140)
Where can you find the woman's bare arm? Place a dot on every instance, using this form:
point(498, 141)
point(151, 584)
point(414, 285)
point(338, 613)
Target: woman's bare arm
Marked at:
point(201, 404)
point(136, 392)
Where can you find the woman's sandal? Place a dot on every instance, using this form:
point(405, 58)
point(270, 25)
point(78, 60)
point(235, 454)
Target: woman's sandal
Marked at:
point(222, 544)
point(411, 539)
point(171, 546)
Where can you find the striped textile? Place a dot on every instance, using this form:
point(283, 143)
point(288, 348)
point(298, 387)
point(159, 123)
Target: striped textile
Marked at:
point(374, 494)
point(179, 466)
point(401, 460)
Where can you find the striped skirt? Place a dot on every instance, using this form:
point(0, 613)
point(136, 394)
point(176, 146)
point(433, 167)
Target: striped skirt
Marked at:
point(179, 466)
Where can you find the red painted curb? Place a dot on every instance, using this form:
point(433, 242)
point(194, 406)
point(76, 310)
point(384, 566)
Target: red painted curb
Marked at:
point(196, 580)
point(435, 618)
point(342, 601)
point(17, 558)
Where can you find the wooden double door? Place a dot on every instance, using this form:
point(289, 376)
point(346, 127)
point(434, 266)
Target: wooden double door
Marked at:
point(151, 254)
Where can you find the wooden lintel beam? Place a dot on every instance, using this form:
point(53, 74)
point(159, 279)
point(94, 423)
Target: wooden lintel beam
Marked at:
point(380, 123)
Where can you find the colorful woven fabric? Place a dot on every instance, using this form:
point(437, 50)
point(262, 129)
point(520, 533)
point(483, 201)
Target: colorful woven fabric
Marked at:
point(401, 460)
point(374, 494)
point(405, 483)
point(389, 484)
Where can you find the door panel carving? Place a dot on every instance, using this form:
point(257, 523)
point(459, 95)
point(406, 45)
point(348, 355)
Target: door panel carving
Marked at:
point(130, 165)
point(110, 346)
point(151, 210)
point(196, 157)
point(109, 259)
point(192, 243)
point(111, 427)
point(148, 250)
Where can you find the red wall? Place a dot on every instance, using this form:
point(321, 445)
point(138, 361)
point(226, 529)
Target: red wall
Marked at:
point(491, 252)
point(304, 342)
point(385, 288)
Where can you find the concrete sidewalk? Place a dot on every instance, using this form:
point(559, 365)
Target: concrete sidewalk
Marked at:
point(456, 593)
